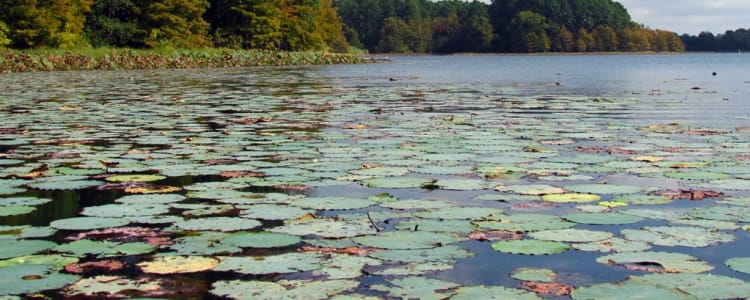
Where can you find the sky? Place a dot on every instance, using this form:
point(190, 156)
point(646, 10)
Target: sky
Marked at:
point(689, 16)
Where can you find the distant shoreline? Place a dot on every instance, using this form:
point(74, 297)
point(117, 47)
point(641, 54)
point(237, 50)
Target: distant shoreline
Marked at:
point(16, 61)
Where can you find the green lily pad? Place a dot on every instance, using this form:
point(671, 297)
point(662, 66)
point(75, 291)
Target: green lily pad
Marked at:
point(604, 189)
point(273, 212)
point(274, 264)
point(492, 292)
point(571, 198)
point(22, 201)
point(463, 184)
point(239, 289)
point(659, 261)
point(722, 213)
point(135, 178)
point(437, 225)
point(104, 248)
point(396, 182)
point(178, 264)
point(125, 210)
point(15, 210)
point(729, 184)
point(446, 254)
point(13, 248)
point(609, 218)
point(31, 279)
point(571, 235)
point(627, 290)
point(531, 189)
point(697, 175)
point(612, 245)
point(739, 264)
point(526, 222)
point(460, 213)
point(151, 199)
point(407, 240)
point(225, 224)
point(261, 240)
point(327, 228)
point(88, 223)
point(65, 185)
point(678, 236)
point(534, 274)
point(412, 269)
point(530, 247)
point(638, 199)
point(701, 286)
point(333, 203)
point(114, 287)
point(55, 260)
point(416, 288)
point(417, 204)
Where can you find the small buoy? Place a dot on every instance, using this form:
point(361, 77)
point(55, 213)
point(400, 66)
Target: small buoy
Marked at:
point(392, 79)
point(714, 73)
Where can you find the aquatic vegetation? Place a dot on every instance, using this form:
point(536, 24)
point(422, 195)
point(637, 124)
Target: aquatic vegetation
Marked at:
point(142, 183)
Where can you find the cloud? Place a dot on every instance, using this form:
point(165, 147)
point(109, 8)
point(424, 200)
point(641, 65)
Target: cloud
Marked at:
point(690, 16)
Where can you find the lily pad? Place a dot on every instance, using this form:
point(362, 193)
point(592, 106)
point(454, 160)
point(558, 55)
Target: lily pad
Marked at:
point(55, 260)
point(609, 218)
point(722, 213)
point(666, 262)
point(417, 288)
point(571, 235)
point(125, 210)
point(678, 236)
point(239, 289)
point(460, 213)
point(605, 189)
point(627, 290)
point(701, 286)
point(407, 240)
point(446, 254)
point(31, 279)
point(135, 178)
point(531, 189)
point(333, 203)
point(492, 292)
point(261, 240)
point(274, 264)
point(612, 245)
point(13, 248)
point(530, 247)
point(225, 224)
point(65, 185)
point(273, 212)
point(739, 264)
point(534, 274)
point(417, 204)
point(178, 264)
point(88, 223)
point(104, 248)
point(571, 198)
point(15, 210)
point(327, 228)
point(526, 222)
point(22, 201)
point(397, 182)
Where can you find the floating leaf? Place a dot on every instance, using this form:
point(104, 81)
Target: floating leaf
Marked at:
point(531, 190)
point(530, 247)
point(492, 292)
point(15, 210)
point(571, 235)
point(239, 289)
point(659, 262)
point(416, 288)
point(739, 264)
point(13, 248)
point(643, 199)
point(88, 223)
point(104, 248)
point(31, 279)
point(56, 261)
point(438, 225)
point(605, 189)
point(274, 264)
point(678, 236)
point(327, 228)
point(460, 213)
point(534, 274)
point(125, 210)
point(571, 198)
point(439, 254)
point(612, 245)
point(397, 182)
point(135, 178)
point(261, 240)
point(611, 218)
point(178, 264)
point(526, 222)
point(627, 290)
point(333, 203)
point(418, 204)
point(407, 240)
point(65, 185)
point(22, 201)
point(216, 223)
point(701, 286)
point(722, 213)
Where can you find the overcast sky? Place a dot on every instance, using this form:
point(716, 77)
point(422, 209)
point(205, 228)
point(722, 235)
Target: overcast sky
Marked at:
point(689, 16)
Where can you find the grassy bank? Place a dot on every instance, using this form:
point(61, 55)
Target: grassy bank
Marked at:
point(113, 59)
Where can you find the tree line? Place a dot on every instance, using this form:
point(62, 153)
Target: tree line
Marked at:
point(730, 41)
point(421, 26)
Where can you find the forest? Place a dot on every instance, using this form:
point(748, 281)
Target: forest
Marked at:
point(730, 41)
point(402, 26)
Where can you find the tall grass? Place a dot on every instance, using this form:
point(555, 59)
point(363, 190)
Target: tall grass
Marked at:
point(112, 59)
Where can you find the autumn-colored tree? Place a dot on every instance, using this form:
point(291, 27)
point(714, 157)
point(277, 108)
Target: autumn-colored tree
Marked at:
point(584, 41)
point(331, 27)
point(562, 40)
point(48, 23)
point(260, 23)
point(4, 40)
point(605, 38)
point(177, 23)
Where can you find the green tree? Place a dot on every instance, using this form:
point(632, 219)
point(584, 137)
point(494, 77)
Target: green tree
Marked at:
point(51, 23)
point(177, 23)
point(605, 38)
point(115, 23)
point(395, 35)
point(4, 40)
point(562, 40)
point(584, 41)
point(530, 34)
point(260, 23)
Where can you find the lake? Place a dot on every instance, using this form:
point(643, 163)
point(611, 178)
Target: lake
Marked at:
point(517, 176)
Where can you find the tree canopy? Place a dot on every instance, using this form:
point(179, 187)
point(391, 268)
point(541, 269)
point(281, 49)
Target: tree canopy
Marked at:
point(729, 41)
point(422, 26)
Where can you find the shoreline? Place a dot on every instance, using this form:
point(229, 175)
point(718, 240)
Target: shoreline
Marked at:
point(17, 61)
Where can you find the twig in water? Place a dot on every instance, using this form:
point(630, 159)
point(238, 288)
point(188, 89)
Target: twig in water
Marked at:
point(373, 223)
